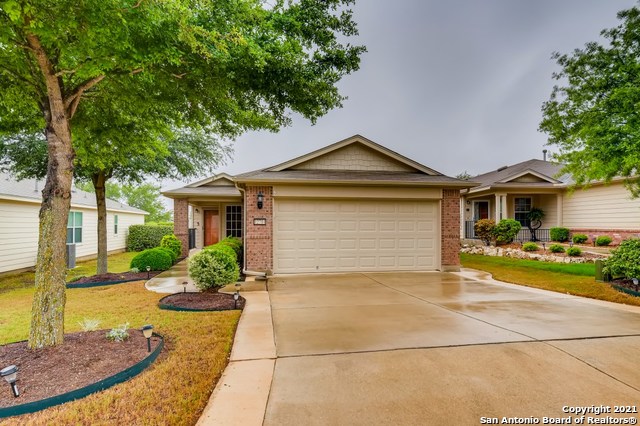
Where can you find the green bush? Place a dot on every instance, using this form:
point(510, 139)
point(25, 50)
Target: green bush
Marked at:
point(556, 248)
point(625, 260)
point(171, 253)
point(142, 237)
point(223, 247)
point(574, 251)
point(579, 238)
point(172, 243)
point(158, 258)
point(506, 230)
point(530, 247)
point(235, 243)
point(484, 230)
point(214, 267)
point(603, 240)
point(559, 234)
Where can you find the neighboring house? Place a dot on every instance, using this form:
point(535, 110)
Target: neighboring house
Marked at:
point(19, 223)
point(351, 206)
point(511, 192)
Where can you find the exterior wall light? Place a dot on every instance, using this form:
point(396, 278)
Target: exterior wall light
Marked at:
point(10, 374)
point(260, 199)
point(147, 331)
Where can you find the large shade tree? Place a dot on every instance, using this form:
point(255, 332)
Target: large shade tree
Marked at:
point(592, 114)
point(234, 65)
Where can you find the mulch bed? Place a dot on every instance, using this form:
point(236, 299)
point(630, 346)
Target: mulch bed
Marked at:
point(109, 277)
point(206, 301)
point(626, 283)
point(84, 358)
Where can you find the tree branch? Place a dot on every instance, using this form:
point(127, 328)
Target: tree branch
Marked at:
point(68, 102)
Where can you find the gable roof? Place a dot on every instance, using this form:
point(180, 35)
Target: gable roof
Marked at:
point(220, 185)
point(528, 173)
point(30, 190)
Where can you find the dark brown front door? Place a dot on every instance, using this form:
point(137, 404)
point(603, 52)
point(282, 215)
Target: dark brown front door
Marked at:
point(482, 210)
point(211, 225)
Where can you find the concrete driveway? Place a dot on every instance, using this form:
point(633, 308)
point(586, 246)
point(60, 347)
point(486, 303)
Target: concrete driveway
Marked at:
point(444, 349)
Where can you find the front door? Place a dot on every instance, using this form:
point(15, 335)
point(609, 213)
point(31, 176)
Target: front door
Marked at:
point(480, 210)
point(211, 227)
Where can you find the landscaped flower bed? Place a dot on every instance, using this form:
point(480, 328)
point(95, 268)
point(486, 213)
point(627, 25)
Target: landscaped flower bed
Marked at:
point(543, 255)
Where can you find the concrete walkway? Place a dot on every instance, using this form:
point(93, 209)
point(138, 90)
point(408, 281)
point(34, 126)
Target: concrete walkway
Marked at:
point(422, 348)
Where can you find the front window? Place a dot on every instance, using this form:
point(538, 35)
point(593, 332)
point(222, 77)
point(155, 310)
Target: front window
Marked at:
point(234, 221)
point(522, 209)
point(74, 228)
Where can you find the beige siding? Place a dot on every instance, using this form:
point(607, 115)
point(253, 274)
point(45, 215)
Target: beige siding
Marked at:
point(354, 157)
point(19, 233)
point(601, 207)
point(548, 204)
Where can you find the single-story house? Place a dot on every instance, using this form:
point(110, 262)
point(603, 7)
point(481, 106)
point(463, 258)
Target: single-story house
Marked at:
point(19, 223)
point(511, 192)
point(351, 206)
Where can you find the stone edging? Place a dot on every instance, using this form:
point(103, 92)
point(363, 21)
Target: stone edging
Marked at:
point(124, 375)
point(520, 254)
point(168, 307)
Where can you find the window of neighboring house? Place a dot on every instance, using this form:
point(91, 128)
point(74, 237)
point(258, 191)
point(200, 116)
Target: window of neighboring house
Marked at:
point(234, 221)
point(74, 228)
point(522, 209)
point(115, 224)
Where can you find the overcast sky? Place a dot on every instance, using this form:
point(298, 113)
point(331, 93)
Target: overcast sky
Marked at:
point(453, 84)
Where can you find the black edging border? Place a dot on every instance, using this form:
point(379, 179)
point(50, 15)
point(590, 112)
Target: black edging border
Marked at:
point(100, 284)
point(167, 307)
point(626, 290)
point(124, 375)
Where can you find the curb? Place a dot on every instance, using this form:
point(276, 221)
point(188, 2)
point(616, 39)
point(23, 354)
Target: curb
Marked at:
point(124, 375)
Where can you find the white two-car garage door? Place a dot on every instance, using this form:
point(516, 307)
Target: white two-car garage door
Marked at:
point(347, 236)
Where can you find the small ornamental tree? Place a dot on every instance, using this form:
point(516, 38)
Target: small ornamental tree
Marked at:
point(484, 230)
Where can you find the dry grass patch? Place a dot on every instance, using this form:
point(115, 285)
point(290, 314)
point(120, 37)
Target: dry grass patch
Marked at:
point(174, 390)
point(568, 281)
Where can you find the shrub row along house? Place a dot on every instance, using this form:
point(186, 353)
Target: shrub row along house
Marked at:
point(511, 192)
point(19, 208)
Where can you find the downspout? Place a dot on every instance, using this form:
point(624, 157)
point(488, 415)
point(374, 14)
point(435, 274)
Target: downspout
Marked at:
point(244, 236)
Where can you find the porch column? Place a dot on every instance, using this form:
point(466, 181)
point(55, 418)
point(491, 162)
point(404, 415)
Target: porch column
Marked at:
point(559, 219)
point(181, 223)
point(450, 229)
point(501, 207)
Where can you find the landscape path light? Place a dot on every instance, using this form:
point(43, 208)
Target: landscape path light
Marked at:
point(10, 374)
point(184, 286)
point(147, 331)
point(236, 296)
point(148, 271)
point(635, 283)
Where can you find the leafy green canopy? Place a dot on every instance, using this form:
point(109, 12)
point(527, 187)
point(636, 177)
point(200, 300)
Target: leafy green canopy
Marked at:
point(592, 115)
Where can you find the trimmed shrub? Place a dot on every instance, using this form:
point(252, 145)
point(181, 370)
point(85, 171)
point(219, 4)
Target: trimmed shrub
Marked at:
point(625, 260)
point(603, 240)
point(579, 238)
point(484, 230)
point(171, 253)
point(506, 230)
point(172, 243)
point(223, 247)
point(213, 268)
point(559, 234)
point(530, 246)
point(158, 258)
point(142, 237)
point(235, 243)
point(574, 251)
point(556, 248)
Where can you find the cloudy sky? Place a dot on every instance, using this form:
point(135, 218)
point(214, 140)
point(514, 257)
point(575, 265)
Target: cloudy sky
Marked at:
point(454, 84)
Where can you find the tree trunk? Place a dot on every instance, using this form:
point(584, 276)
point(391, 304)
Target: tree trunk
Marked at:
point(99, 180)
point(47, 312)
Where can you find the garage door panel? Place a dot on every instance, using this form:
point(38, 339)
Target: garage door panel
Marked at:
point(334, 236)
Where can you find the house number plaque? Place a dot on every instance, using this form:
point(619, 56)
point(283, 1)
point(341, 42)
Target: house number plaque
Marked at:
point(259, 221)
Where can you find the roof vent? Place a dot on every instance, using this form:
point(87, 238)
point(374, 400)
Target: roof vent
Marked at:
point(544, 155)
point(502, 168)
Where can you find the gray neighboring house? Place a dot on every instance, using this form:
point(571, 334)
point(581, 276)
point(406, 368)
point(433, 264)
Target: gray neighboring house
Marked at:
point(512, 191)
point(19, 223)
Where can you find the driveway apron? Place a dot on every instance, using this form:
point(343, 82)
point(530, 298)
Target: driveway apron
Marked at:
point(444, 348)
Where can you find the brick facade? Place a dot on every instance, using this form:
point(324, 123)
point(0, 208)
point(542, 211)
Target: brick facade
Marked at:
point(450, 230)
point(259, 238)
point(181, 223)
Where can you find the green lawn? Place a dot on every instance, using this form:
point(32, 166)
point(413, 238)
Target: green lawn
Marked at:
point(577, 278)
point(118, 262)
point(173, 391)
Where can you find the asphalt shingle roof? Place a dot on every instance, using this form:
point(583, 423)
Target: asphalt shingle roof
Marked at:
point(545, 168)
